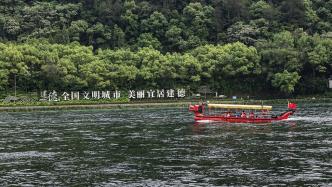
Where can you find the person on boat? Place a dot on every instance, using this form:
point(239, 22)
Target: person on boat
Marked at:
point(228, 114)
point(200, 108)
point(251, 115)
point(264, 113)
point(243, 115)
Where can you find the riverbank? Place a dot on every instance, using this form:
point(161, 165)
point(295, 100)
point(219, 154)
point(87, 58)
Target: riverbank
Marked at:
point(92, 106)
point(154, 104)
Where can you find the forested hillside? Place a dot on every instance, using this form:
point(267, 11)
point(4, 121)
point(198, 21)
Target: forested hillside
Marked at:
point(232, 46)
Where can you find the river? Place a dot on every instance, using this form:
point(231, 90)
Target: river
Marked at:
point(164, 147)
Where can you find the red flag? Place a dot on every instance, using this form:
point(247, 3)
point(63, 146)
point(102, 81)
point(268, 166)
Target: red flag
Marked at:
point(292, 106)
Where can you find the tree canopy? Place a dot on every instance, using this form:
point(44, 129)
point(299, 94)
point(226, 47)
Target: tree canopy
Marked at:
point(230, 46)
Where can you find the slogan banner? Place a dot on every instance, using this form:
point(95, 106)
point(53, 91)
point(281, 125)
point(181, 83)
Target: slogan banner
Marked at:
point(171, 93)
point(95, 95)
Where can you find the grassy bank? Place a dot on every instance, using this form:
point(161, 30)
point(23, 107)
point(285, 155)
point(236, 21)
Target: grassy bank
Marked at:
point(125, 103)
point(64, 103)
point(94, 106)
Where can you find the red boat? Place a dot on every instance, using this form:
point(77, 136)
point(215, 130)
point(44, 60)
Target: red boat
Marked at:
point(238, 113)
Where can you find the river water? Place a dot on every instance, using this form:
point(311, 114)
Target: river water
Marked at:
point(163, 147)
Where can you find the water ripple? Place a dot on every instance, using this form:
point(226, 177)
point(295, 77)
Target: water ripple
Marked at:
point(164, 147)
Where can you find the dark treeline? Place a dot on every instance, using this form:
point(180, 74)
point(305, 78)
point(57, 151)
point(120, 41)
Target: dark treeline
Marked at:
point(232, 46)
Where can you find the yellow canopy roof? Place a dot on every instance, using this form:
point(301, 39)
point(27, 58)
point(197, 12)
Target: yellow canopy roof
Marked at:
point(244, 107)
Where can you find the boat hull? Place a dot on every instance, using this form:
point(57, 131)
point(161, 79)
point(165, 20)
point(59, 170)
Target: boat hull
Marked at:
point(204, 118)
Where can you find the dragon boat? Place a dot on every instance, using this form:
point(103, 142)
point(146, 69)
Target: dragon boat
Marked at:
point(235, 113)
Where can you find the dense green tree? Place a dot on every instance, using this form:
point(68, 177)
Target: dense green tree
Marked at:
point(286, 81)
point(279, 54)
point(321, 56)
point(130, 20)
point(118, 37)
point(198, 19)
point(225, 65)
point(4, 71)
point(188, 70)
point(293, 12)
point(227, 45)
point(149, 64)
point(243, 33)
point(96, 75)
point(156, 24)
point(174, 36)
point(310, 14)
point(147, 40)
point(105, 10)
point(262, 9)
point(43, 19)
point(229, 11)
point(122, 66)
point(77, 29)
point(14, 68)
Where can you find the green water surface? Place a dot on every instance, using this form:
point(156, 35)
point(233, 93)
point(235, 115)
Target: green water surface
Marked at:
point(164, 147)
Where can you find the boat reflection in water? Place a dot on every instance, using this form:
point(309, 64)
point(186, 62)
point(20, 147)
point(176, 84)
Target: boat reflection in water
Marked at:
point(201, 128)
